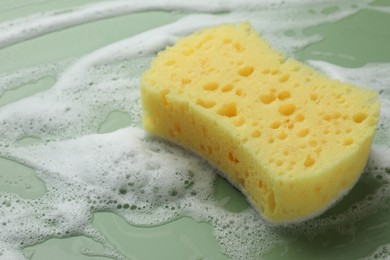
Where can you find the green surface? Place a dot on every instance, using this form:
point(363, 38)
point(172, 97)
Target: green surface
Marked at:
point(181, 239)
point(19, 179)
point(352, 42)
point(78, 40)
point(66, 248)
point(114, 121)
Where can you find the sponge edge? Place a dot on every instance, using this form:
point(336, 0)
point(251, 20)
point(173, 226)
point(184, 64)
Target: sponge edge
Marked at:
point(292, 140)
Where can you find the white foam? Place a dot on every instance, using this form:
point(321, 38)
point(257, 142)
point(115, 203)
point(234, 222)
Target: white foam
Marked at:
point(145, 180)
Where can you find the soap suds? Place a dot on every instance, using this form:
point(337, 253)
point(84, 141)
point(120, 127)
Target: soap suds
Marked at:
point(85, 172)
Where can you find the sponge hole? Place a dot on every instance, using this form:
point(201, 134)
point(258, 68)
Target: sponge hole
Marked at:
point(304, 132)
point(228, 110)
point(246, 71)
point(185, 81)
point(232, 157)
point(327, 117)
point(359, 117)
point(205, 103)
point(271, 201)
point(313, 143)
point(211, 86)
point(284, 78)
point(293, 163)
point(309, 161)
point(239, 122)
point(282, 135)
point(279, 163)
point(299, 117)
point(287, 109)
point(227, 88)
point(314, 97)
point(267, 99)
point(348, 142)
point(238, 47)
point(336, 115)
point(177, 129)
point(275, 125)
point(269, 194)
point(238, 92)
point(284, 95)
point(256, 133)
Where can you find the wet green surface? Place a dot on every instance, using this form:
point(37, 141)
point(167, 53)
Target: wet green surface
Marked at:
point(352, 42)
point(181, 239)
point(65, 248)
point(20, 92)
point(20, 179)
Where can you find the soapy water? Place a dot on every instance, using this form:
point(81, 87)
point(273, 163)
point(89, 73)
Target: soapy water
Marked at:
point(141, 178)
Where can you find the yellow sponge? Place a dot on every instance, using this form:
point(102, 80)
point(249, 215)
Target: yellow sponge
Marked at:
point(292, 140)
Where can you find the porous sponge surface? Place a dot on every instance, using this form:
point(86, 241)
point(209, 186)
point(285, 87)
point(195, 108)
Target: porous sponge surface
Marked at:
point(291, 139)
